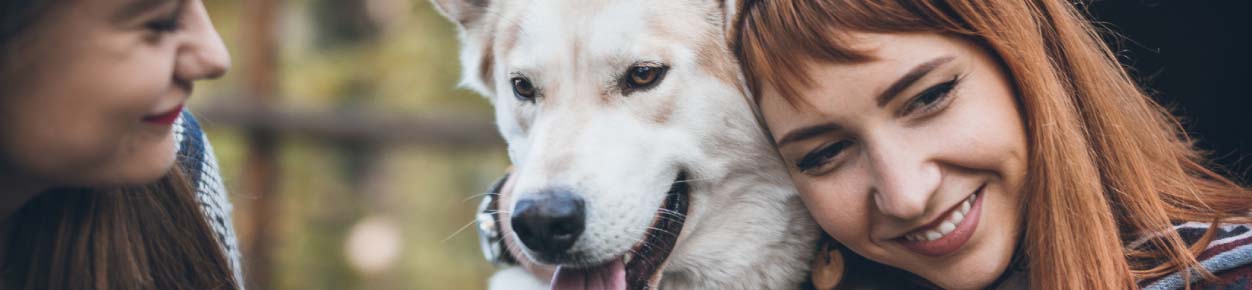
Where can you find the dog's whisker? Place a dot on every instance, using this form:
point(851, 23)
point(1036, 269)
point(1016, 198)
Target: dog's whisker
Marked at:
point(675, 216)
point(612, 218)
point(672, 213)
point(660, 230)
point(669, 211)
point(693, 179)
point(471, 197)
point(458, 231)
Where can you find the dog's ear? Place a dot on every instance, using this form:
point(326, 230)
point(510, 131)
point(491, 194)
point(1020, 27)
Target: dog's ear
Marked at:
point(476, 32)
point(464, 12)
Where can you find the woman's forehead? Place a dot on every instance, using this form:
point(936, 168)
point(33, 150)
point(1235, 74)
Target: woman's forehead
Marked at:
point(889, 56)
point(841, 87)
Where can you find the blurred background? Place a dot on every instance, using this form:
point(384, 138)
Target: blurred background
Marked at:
point(354, 161)
point(351, 157)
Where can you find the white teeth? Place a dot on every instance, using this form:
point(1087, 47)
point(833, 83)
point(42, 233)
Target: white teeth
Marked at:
point(626, 258)
point(946, 227)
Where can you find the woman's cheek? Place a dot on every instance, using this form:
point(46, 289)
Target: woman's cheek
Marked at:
point(831, 207)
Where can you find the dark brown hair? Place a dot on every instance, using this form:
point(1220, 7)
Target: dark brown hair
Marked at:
point(146, 237)
point(1107, 165)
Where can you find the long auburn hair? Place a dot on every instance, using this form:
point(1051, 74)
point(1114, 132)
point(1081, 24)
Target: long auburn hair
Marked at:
point(1107, 164)
point(150, 237)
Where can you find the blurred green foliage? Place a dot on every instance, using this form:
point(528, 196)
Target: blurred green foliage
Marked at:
point(408, 67)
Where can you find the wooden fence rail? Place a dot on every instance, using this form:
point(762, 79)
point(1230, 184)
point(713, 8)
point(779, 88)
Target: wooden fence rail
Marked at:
point(447, 129)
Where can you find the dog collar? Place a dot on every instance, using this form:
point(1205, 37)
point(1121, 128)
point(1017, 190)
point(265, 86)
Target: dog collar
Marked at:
point(490, 236)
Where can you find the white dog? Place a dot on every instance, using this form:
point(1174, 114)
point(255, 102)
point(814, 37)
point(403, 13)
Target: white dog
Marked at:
point(639, 161)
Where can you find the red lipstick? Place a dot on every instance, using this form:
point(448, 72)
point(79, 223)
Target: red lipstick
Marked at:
point(166, 118)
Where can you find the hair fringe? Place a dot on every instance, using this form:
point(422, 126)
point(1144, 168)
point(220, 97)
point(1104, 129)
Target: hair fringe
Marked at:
point(1107, 166)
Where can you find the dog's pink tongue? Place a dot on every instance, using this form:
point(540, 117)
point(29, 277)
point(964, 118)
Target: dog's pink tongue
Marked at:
point(611, 276)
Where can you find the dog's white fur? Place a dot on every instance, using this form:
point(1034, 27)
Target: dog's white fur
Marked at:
point(746, 227)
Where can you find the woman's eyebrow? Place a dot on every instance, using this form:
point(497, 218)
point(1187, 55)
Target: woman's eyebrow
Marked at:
point(909, 78)
point(806, 133)
point(136, 8)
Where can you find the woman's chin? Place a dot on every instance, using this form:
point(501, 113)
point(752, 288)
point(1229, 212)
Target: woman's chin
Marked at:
point(141, 165)
point(977, 271)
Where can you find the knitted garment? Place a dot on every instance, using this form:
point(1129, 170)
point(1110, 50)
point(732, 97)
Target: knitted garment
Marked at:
point(195, 155)
point(1229, 256)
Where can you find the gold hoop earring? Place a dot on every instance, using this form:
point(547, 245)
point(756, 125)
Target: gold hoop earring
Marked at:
point(828, 266)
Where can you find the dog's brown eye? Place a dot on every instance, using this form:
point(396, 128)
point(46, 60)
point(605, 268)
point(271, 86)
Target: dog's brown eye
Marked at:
point(644, 76)
point(522, 89)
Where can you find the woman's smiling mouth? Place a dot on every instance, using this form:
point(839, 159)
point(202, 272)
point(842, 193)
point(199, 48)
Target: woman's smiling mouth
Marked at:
point(165, 118)
point(951, 231)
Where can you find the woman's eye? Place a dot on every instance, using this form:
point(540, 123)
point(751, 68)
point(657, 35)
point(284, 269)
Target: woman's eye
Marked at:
point(165, 25)
point(644, 76)
point(169, 21)
point(931, 98)
point(822, 156)
point(523, 89)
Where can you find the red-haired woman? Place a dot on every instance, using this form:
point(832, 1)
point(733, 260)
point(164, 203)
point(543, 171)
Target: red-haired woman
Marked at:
point(986, 144)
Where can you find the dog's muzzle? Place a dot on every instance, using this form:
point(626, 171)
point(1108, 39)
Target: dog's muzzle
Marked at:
point(549, 225)
point(490, 235)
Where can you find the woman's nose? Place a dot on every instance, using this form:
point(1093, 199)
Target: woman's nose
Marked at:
point(904, 180)
point(202, 55)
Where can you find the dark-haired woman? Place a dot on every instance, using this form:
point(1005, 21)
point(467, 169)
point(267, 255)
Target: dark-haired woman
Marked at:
point(105, 181)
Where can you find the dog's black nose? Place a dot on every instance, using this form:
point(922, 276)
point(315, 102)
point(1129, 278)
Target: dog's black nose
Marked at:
point(549, 222)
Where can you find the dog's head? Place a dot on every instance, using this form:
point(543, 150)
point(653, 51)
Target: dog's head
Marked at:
point(617, 115)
